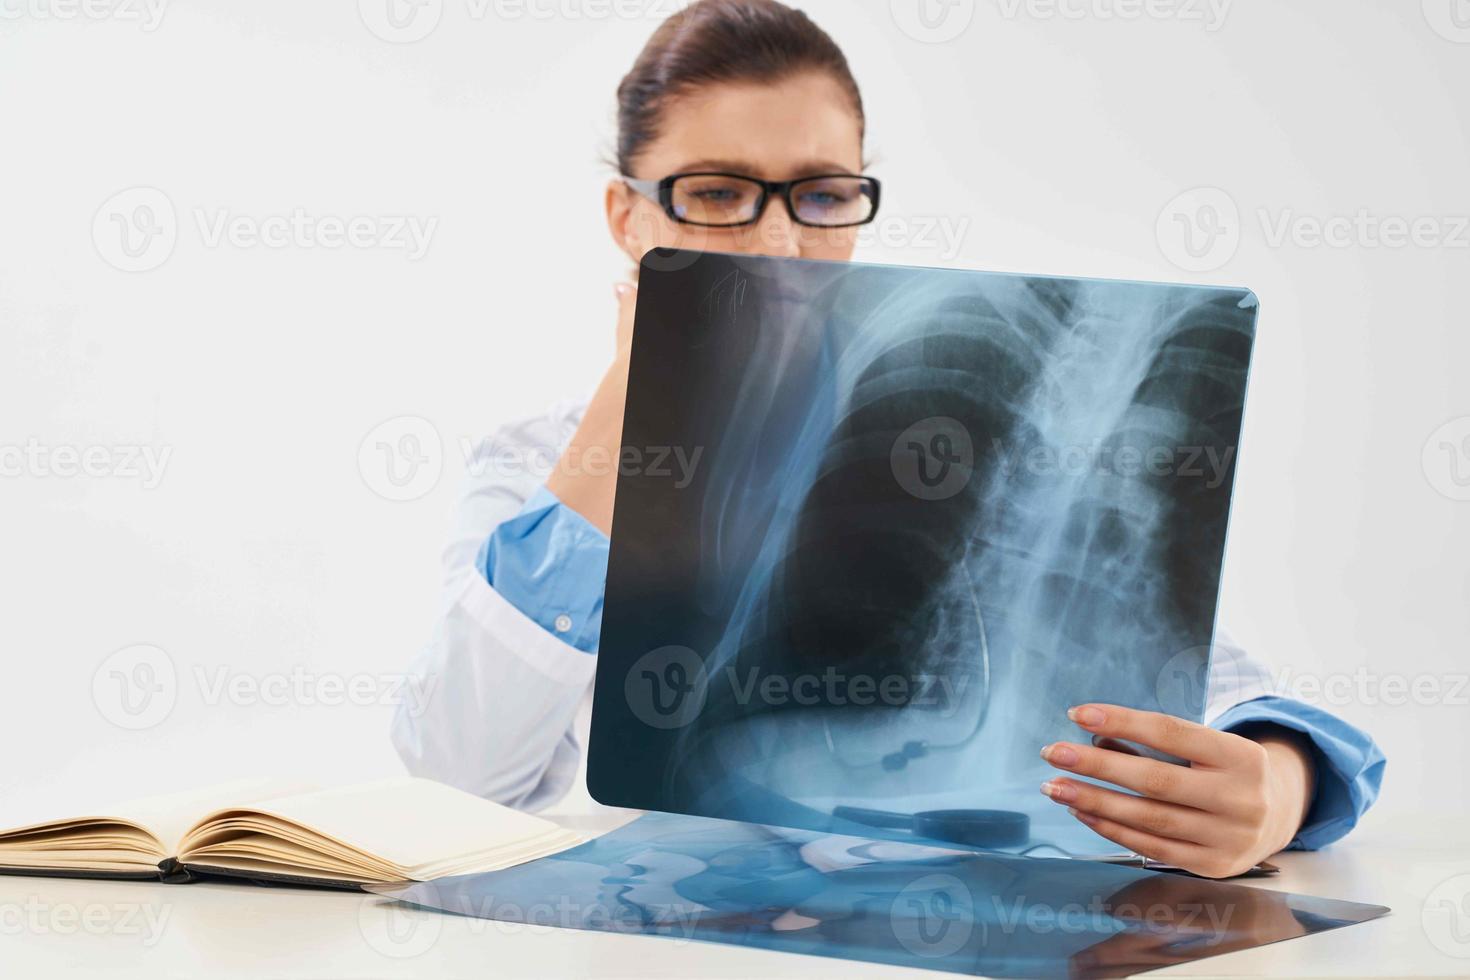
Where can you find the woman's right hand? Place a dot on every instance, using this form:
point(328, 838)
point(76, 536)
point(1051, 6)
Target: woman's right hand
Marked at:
point(586, 475)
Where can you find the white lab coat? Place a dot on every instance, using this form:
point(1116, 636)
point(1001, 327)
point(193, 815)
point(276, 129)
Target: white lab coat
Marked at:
point(510, 704)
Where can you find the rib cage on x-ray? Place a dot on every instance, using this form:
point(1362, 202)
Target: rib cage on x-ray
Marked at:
point(1077, 571)
point(1081, 570)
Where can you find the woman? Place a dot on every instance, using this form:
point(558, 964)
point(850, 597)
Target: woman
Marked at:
point(752, 89)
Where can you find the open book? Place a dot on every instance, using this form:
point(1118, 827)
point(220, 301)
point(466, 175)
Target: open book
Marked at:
point(396, 830)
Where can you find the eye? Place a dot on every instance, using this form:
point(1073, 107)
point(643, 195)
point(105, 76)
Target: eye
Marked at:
point(826, 197)
point(718, 195)
point(711, 199)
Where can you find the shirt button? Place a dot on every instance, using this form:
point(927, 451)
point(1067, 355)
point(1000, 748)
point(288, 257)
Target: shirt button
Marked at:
point(563, 623)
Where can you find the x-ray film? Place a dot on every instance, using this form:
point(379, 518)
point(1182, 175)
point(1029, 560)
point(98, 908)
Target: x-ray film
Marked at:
point(877, 528)
point(692, 879)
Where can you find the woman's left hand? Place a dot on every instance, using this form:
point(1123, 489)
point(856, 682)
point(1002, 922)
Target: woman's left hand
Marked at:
point(1239, 801)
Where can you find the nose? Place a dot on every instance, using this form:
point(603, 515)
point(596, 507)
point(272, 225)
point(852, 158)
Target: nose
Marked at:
point(775, 234)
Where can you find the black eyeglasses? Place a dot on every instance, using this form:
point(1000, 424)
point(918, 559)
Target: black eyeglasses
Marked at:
point(720, 200)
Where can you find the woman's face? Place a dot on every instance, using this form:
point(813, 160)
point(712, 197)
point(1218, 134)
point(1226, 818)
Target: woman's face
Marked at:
point(799, 127)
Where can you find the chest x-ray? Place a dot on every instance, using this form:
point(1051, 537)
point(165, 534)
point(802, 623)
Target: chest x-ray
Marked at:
point(877, 528)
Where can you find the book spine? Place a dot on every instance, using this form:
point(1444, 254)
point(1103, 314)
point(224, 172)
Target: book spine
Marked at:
point(171, 872)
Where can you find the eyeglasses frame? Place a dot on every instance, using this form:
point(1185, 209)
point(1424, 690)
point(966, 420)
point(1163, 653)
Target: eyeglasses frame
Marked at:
point(661, 192)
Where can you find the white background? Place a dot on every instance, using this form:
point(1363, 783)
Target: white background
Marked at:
point(1038, 138)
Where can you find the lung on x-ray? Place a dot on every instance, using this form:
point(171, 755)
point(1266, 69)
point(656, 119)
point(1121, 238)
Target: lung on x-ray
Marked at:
point(878, 527)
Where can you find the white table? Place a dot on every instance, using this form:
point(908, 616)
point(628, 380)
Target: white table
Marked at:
point(58, 928)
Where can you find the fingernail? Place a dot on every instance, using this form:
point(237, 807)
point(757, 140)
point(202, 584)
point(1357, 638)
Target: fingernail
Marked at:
point(621, 289)
point(1086, 818)
point(1060, 792)
point(1059, 755)
point(1087, 716)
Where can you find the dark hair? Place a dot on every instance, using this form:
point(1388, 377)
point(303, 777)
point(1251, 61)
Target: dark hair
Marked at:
point(721, 41)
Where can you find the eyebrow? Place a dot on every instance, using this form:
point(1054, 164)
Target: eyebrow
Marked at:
point(810, 169)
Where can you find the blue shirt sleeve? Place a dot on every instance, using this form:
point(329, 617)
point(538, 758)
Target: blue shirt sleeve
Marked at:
point(1349, 764)
point(550, 563)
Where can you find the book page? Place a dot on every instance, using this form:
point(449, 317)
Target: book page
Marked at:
point(168, 816)
point(410, 822)
point(164, 817)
